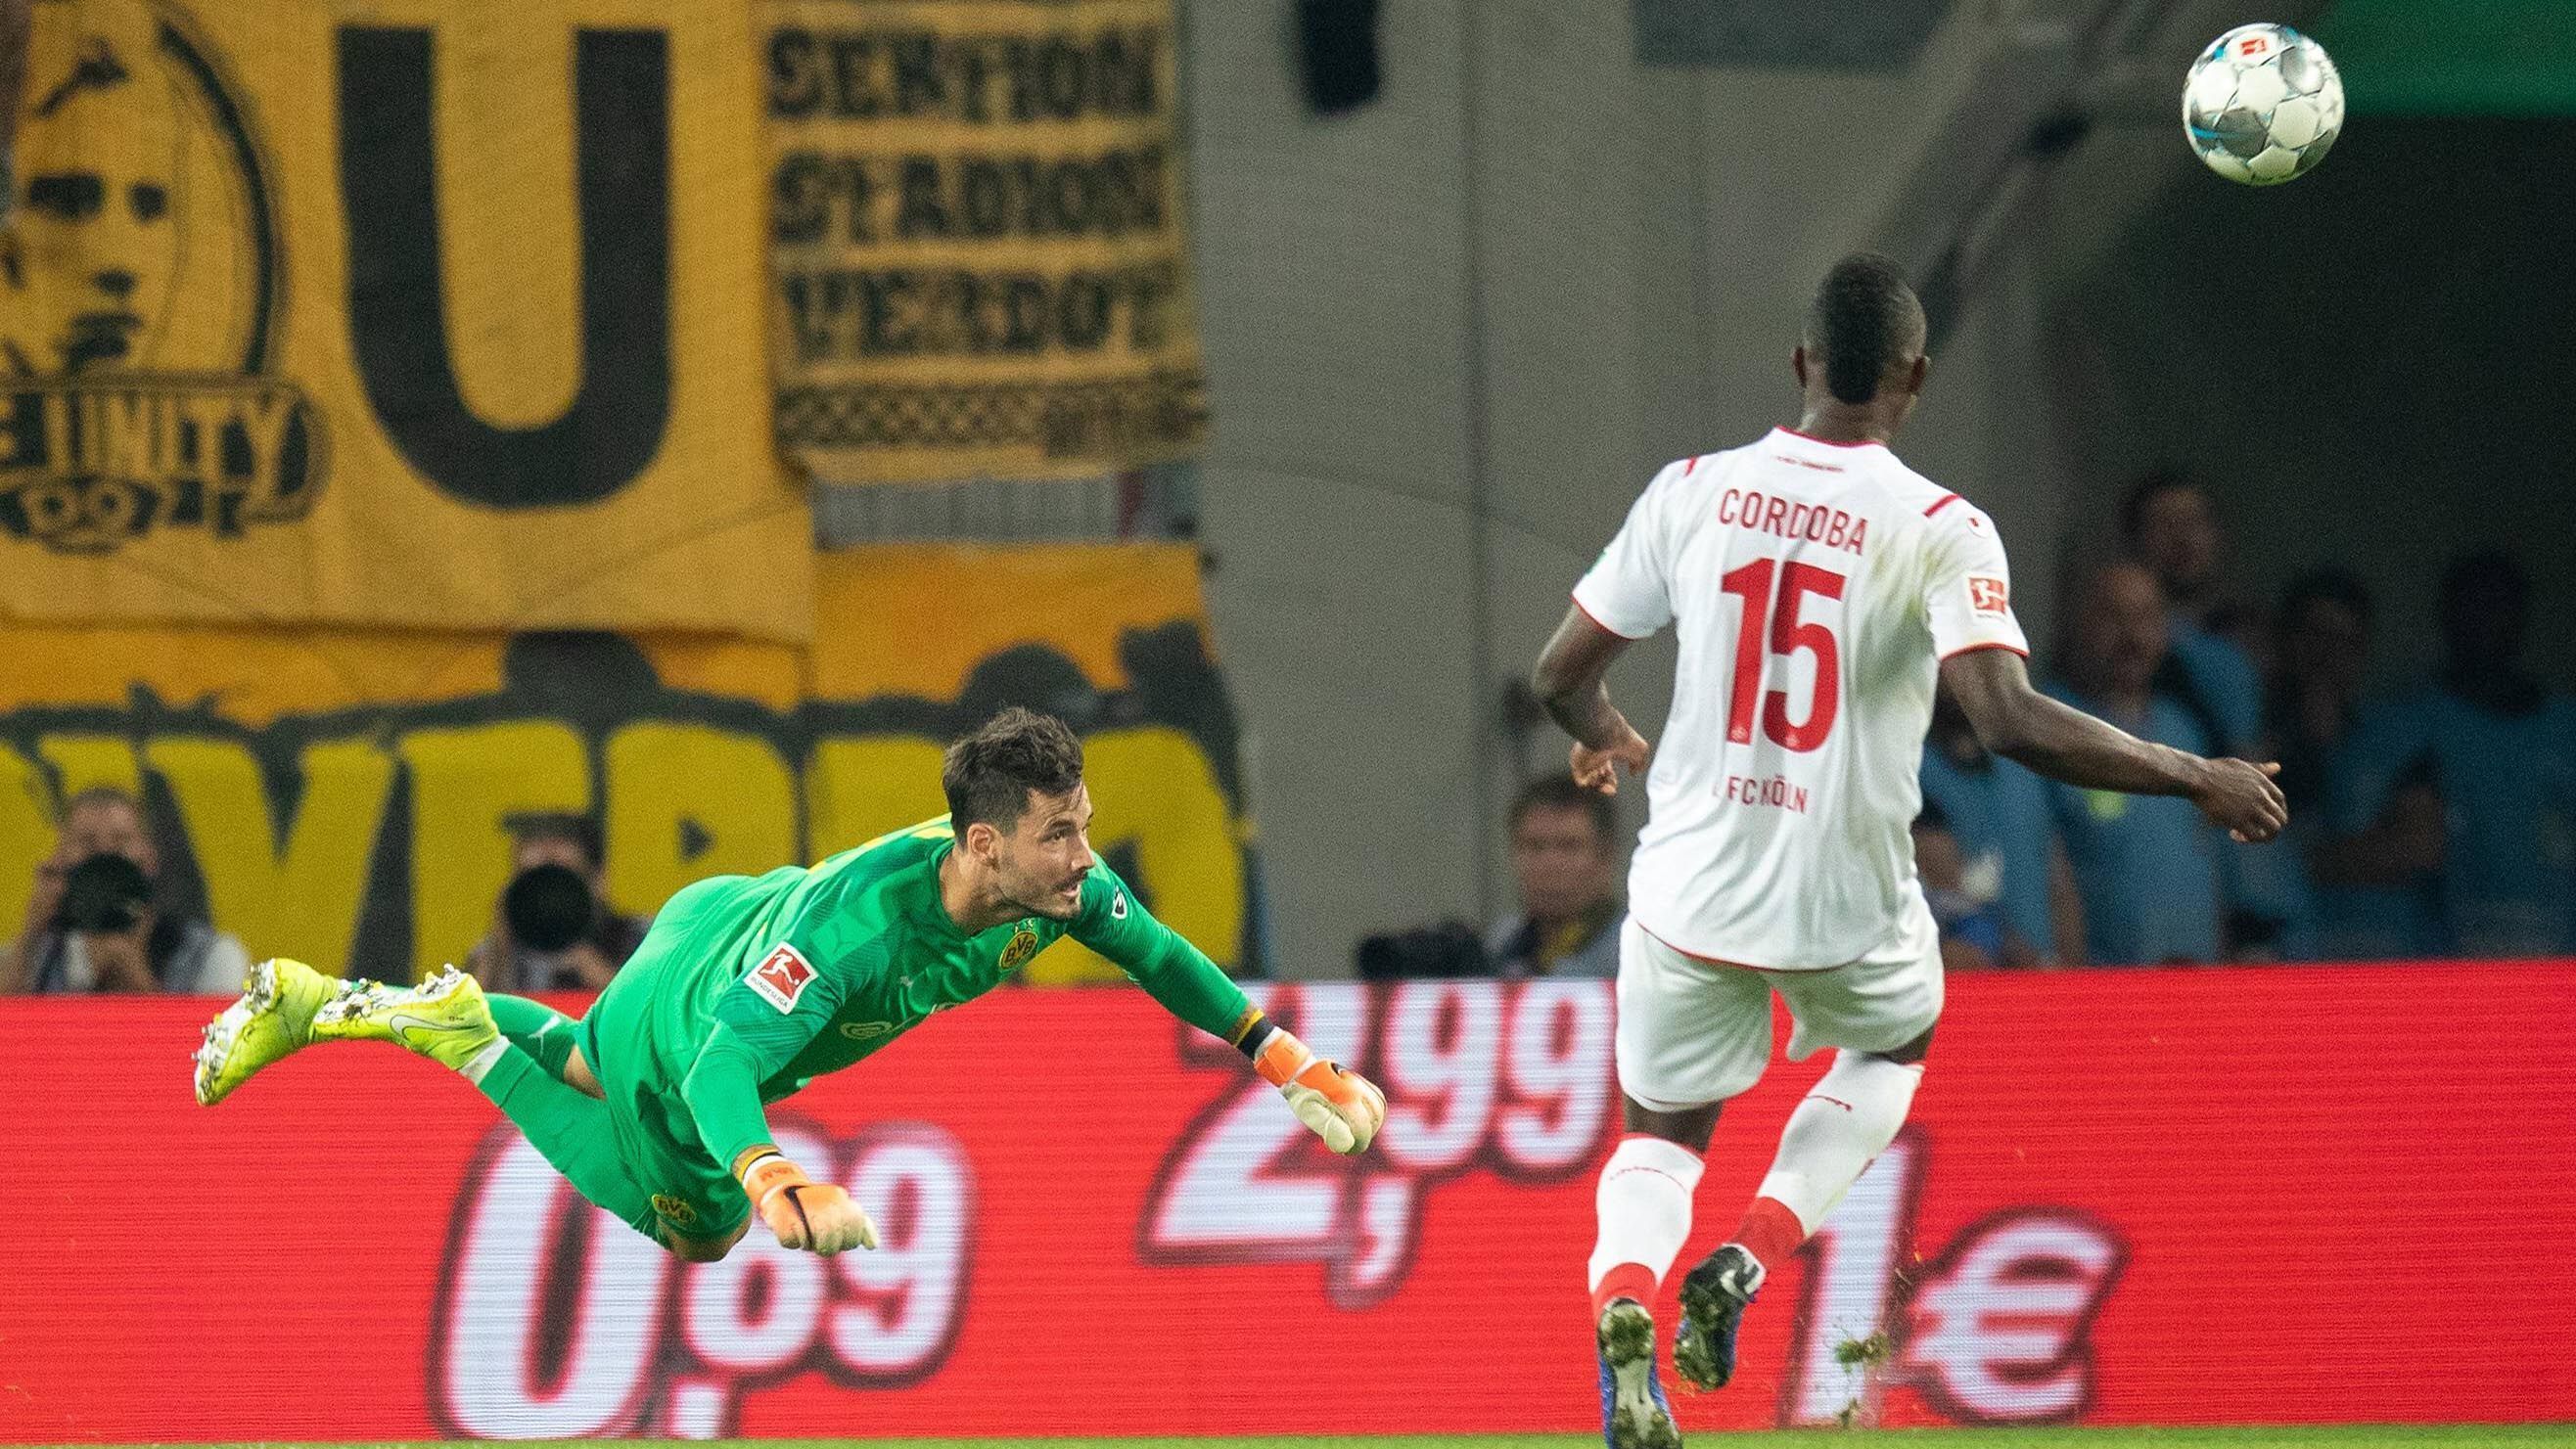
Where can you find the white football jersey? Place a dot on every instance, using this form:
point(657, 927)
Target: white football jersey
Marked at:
point(1815, 587)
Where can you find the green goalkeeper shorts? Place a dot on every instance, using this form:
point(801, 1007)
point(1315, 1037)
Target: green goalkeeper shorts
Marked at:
point(693, 1195)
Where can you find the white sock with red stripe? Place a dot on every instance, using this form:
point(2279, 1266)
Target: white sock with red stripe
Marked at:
point(1644, 1204)
point(1837, 1132)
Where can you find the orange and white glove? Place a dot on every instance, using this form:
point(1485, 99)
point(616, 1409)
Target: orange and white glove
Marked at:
point(1336, 1103)
point(816, 1216)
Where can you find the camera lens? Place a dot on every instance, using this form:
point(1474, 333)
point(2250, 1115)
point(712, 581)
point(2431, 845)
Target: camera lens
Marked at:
point(103, 893)
point(548, 907)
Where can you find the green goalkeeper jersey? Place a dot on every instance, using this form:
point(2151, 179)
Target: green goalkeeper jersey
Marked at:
point(766, 982)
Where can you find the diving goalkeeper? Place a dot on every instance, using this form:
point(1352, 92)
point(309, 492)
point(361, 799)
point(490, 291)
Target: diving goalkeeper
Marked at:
point(748, 987)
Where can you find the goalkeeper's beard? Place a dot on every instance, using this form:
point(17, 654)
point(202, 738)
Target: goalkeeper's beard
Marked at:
point(1030, 898)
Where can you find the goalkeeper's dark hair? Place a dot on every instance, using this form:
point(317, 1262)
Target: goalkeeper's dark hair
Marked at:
point(1865, 320)
point(988, 775)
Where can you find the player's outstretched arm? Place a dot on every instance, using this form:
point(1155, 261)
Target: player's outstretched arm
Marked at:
point(819, 1217)
point(2020, 723)
point(722, 1091)
point(757, 1026)
point(1336, 1103)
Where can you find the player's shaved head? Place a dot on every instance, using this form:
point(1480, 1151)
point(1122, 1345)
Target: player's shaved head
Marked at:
point(989, 775)
point(1865, 326)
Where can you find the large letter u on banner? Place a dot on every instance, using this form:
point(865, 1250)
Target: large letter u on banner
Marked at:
point(397, 303)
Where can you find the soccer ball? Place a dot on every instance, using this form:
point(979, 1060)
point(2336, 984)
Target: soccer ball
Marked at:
point(2262, 104)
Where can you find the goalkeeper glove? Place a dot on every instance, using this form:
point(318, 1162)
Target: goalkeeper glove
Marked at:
point(1336, 1103)
point(816, 1216)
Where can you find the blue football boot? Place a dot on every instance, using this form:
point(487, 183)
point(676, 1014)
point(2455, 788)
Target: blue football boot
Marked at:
point(1633, 1412)
point(1714, 1295)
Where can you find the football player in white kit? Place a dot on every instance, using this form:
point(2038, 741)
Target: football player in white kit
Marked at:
point(1820, 589)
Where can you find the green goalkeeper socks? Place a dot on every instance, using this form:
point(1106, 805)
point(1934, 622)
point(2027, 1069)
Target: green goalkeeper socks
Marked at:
point(571, 1129)
point(535, 1028)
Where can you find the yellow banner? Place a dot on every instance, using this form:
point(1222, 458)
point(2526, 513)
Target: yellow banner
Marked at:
point(978, 257)
point(421, 313)
point(344, 797)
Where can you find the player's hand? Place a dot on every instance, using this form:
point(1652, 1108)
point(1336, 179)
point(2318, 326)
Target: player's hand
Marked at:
point(1598, 769)
point(2241, 798)
point(1336, 1103)
point(818, 1217)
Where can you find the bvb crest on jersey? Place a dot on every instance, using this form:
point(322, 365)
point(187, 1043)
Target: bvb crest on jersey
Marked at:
point(140, 296)
point(1024, 944)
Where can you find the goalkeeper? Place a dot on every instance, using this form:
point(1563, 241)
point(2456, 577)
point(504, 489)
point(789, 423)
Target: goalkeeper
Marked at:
point(747, 988)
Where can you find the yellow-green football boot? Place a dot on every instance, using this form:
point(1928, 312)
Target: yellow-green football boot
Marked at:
point(444, 1018)
point(273, 1018)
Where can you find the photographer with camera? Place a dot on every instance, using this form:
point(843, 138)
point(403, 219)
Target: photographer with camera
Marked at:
point(96, 920)
point(553, 929)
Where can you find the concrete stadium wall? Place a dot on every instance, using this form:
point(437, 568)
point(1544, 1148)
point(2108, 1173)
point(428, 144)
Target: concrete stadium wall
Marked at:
point(1450, 336)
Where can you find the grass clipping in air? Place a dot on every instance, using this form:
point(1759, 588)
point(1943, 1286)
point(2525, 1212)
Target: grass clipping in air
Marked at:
point(1864, 1357)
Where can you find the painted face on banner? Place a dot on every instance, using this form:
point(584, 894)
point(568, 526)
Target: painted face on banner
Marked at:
point(90, 271)
point(140, 286)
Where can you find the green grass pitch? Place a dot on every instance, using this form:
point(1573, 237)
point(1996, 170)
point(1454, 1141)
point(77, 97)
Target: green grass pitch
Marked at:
point(2481, 1436)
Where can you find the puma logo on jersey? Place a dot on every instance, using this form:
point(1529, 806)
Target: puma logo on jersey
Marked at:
point(781, 977)
point(1989, 595)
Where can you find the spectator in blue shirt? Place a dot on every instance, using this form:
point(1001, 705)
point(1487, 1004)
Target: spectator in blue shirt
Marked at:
point(2170, 527)
point(2146, 867)
point(1995, 814)
point(2381, 862)
point(2320, 656)
point(2473, 781)
point(2366, 902)
point(1972, 928)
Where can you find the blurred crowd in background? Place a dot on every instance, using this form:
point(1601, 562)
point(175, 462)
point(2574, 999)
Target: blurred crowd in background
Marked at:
point(2435, 820)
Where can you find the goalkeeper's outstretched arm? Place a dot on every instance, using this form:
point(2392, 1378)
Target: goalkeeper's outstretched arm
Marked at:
point(747, 1042)
point(1337, 1104)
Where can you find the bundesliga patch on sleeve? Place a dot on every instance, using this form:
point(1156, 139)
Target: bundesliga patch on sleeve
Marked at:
point(781, 977)
point(1118, 905)
point(1988, 595)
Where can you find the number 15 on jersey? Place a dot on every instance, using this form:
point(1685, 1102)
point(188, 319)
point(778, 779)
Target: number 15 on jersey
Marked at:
point(1772, 626)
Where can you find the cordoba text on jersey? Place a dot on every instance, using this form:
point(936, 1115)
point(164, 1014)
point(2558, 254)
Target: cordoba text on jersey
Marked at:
point(1789, 518)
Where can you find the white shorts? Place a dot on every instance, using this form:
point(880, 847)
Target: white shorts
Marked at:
point(1693, 1032)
